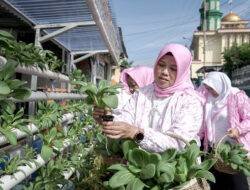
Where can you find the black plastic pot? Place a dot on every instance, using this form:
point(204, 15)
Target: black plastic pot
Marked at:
point(107, 117)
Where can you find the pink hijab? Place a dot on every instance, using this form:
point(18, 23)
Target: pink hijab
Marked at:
point(183, 60)
point(142, 75)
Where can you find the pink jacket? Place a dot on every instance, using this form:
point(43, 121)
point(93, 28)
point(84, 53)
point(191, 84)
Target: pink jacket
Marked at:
point(238, 107)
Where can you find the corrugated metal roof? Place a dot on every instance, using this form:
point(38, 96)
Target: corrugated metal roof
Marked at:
point(53, 11)
point(86, 38)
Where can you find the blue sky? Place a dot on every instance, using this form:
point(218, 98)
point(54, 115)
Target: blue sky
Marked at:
point(147, 25)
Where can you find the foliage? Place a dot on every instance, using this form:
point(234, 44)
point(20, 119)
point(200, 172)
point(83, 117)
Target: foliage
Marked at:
point(52, 141)
point(48, 115)
point(125, 63)
point(11, 88)
point(160, 171)
point(27, 54)
point(235, 156)
point(77, 79)
point(236, 57)
point(11, 165)
point(102, 96)
point(50, 176)
point(10, 121)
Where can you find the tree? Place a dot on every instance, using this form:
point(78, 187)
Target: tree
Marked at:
point(236, 57)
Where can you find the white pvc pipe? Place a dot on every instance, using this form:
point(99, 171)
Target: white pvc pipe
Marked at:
point(31, 70)
point(19, 134)
point(36, 96)
point(33, 129)
point(43, 74)
point(9, 181)
point(69, 173)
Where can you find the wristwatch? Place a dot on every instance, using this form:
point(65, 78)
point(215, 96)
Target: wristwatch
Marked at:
point(139, 136)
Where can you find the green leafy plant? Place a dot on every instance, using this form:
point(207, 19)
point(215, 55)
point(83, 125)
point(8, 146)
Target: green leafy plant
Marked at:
point(11, 88)
point(102, 95)
point(11, 165)
point(49, 177)
point(48, 115)
point(77, 79)
point(27, 54)
point(52, 141)
point(147, 170)
point(235, 156)
point(10, 121)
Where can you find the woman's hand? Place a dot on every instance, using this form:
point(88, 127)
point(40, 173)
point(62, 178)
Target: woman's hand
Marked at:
point(119, 130)
point(234, 133)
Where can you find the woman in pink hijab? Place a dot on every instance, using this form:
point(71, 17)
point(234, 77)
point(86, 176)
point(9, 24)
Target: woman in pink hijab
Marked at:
point(136, 77)
point(227, 111)
point(170, 104)
point(132, 79)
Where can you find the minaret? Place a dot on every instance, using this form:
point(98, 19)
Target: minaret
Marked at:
point(213, 15)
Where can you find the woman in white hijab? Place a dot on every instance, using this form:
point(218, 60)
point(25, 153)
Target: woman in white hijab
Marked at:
point(227, 111)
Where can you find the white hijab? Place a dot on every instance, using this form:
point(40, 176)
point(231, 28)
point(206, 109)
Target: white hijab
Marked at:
point(222, 85)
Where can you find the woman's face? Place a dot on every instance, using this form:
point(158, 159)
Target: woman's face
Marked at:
point(165, 72)
point(211, 91)
point(133, 86)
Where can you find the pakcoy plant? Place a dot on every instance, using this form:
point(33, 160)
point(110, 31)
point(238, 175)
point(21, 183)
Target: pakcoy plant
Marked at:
point(27, 54)
point(49, 177)
point(233, 155)
point(77, 79)
point(11, 88)
point(52, 142)
point(48, 115)
point(9, 121)
point(12, 165)
point(146, 170)
point(103, 95)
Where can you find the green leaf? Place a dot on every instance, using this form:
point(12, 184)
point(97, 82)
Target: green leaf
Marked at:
point(117, 167)
point(4, 88)
point(46, 152)
point(205, 174)
point(4, 34)
point(207, 164)
point(128, 145)
point(135, 184)
point(121, 178)
point(8, 70)
point(148, 171)
point(134, 169)
point(15, 83)
point(21, 93)
point(110, 101)
point(156, 188)
point(192, 153)
point(154, 158)
point(138, 157)
point(11, 137)
point(237, 159)
point(102, 84)
point(166, 178)
point(169, 155)
point(7, 105)
point(166, 167)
